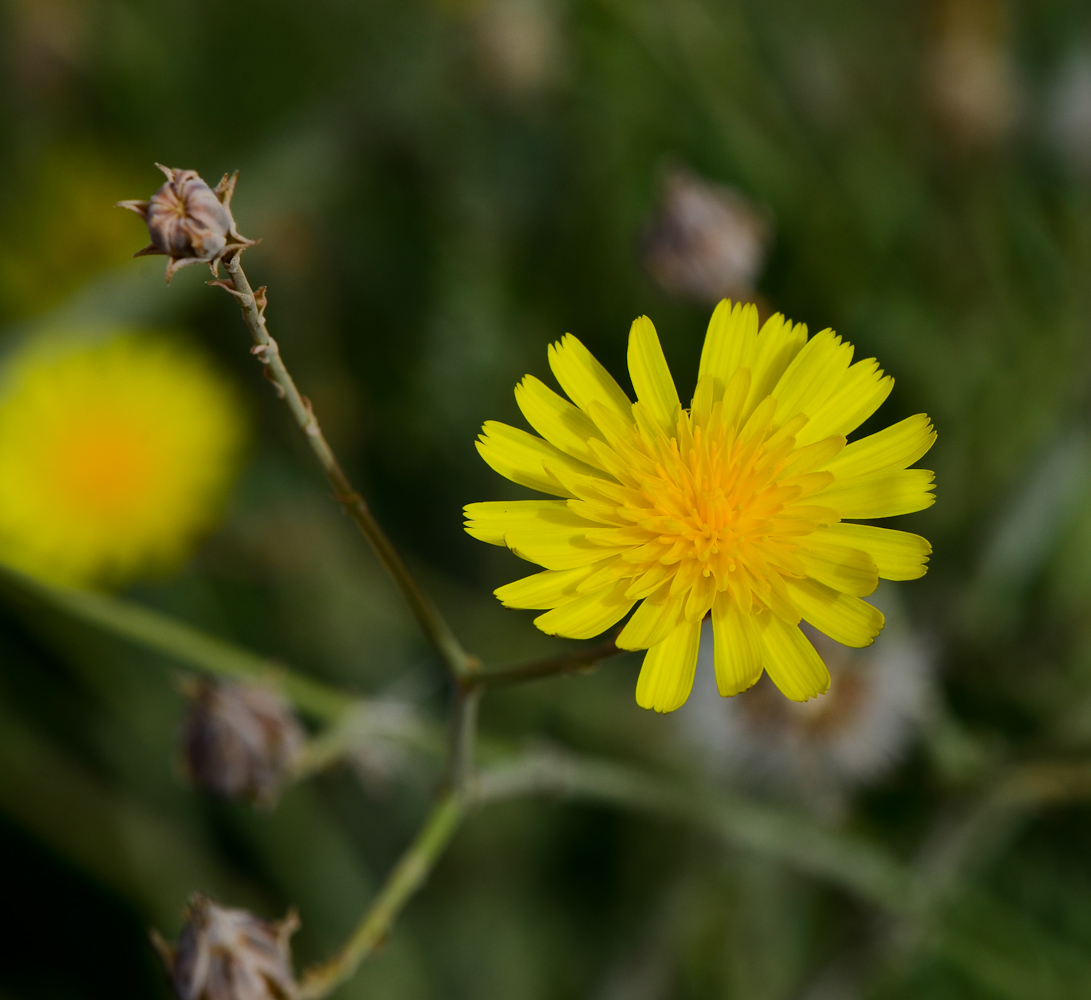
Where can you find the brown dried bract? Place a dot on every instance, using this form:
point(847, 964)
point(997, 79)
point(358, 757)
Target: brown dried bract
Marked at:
point(240, 741)
point(225, 954)
point(190, 222)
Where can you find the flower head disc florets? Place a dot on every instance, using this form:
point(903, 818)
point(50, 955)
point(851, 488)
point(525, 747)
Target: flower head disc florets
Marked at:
point(735, 506)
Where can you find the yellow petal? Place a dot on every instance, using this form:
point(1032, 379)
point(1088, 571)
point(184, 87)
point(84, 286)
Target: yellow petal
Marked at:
point(778, 343)
point(813, 377)
point(862, 391)
point(650, 375)
point(606, 574)
point(557, 553)
point(702, 593)
point(518, 456)
point(813, 456)
point(790, 660)
point(849, 570)
point(738, 647)
point(894, 448)
point(666, 676)
point(595, 510)
point(845, 619)
point(587, 616)
point(704, 396)
point(898, 555)
point(542, 590)
point(488, 521)
point(730, 343)
point(584, 379)
point(563, 425)
point(651, 623)
point(556, 539)
point(884, 495)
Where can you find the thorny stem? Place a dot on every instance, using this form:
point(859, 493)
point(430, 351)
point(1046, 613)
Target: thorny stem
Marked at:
point(565, 663)
point(267, 351)
point(408, 875)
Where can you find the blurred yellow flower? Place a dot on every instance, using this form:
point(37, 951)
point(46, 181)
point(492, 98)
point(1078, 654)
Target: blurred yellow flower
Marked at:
point(114, 456)
point(735, 506)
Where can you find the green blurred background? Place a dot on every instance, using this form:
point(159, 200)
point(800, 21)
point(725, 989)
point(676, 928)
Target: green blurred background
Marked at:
point(441, 189)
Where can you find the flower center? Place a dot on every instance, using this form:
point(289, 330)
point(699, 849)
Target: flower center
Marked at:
point(719, 505)
point(104, 465)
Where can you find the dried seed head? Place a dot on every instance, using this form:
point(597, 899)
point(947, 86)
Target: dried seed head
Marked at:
point(225, 954)
point(240, 741)
point(706, 241)
point(970, 74)
point(820, 751)
point(517, 45)
point(188, 221)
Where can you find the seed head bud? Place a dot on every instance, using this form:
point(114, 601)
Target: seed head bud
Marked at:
point(188, 221)
point(706, 241)
point(240, 741)
point(225, 954)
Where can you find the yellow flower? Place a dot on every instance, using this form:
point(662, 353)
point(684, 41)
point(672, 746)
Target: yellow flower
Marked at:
point(114, 456)
point(737, 505)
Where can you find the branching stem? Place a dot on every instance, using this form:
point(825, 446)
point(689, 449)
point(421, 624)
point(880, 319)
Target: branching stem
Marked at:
point(463, 738)
point(565, 663)
point(439, 633)
point(408, 875)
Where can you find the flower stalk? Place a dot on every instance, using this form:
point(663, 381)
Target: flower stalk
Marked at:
point(463, 738)
point(252, 303)
point(574, 661)
point(408, 875)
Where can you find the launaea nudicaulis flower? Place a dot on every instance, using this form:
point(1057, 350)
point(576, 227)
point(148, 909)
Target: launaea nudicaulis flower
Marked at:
point(738, 505)
point(190, 222)
point(226, 954)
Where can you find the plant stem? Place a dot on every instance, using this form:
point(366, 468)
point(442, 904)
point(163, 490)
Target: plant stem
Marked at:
point(852, 863)
point(463, 737)
point(178, 641)
point(564, 663)
point(372, 724)
point(407, 877)
point(990, 823)
point(265, 347)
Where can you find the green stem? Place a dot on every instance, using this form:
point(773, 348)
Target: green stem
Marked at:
point(463, 737)
point(403, 882)
point(372, 724)
point(990, 822)
point(177, 641)
point(854, 864)
point(565, 663)
point(435, 627)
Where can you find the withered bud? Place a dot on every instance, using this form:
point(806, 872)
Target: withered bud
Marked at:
point(188, 221)
point(225, 954)
point(706, 241)
point(240, 741)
